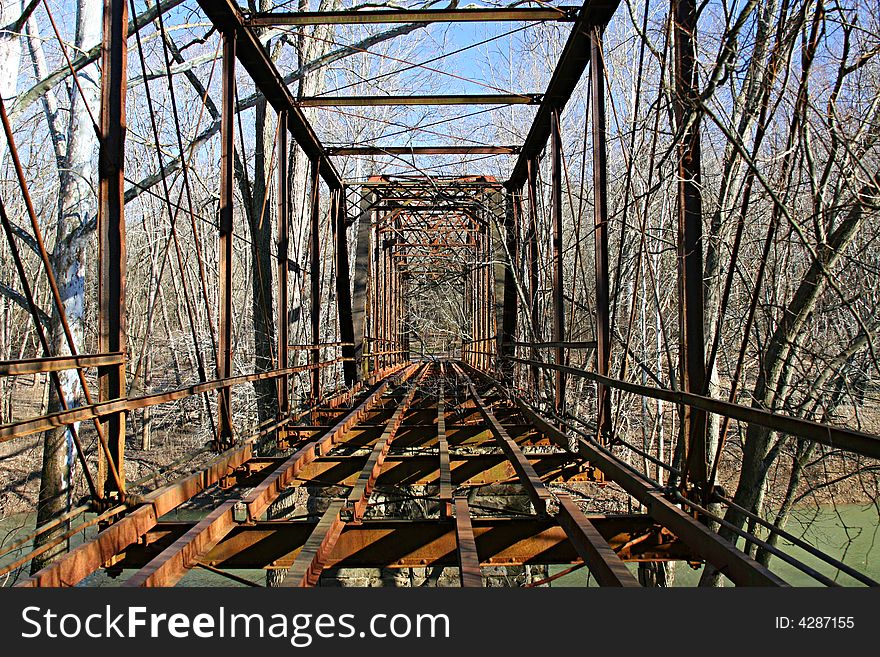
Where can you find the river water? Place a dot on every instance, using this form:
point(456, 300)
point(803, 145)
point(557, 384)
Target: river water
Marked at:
point(850, 533)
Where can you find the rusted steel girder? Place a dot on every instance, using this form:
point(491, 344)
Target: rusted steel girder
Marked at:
point(225, 231)
point(111, 241)
point(601, 560)
point(306, 570)
point(692, 345)
point(171, 564)
point(58, 363)
point(737, 566)
point(424, 150)
point(558, 258)
point(383, 101)
point(283, 248)
point(88, 557)
point(85, 559)
point(363, 488)
point(510, 298)
point(315, 272)
point(570, 67)
point(80, 413)
point(535, 488)
point(420, 543)
point(362, 266)
point(600, 221)
point(533, 257)
point(385, 16)
point(343, 285)
point(228, 17)
point(468, 557)
point(842, 438)
point(445, 476)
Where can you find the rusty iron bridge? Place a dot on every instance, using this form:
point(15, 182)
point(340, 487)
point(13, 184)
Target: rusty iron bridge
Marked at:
point(445, 419)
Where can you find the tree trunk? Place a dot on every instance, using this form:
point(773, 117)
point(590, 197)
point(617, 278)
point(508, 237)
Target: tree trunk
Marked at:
point(77, 214)
point(10, 56)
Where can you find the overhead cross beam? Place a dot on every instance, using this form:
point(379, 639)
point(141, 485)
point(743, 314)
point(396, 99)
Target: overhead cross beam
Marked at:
point(424, 150)
point(434, 99)
point(500, 14)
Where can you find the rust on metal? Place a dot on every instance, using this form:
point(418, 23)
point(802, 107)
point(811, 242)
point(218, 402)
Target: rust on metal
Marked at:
point(468, 558)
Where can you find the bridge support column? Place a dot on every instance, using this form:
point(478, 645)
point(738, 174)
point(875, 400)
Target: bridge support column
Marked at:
point(558, 266)
point(315, 278)
point(283, 292)
point(600, 220)
point(227, 182)
point(111, 241)
point(359, 293)
point(507, 334)
point(343, 286)
point(692, 350)
point(537, 333)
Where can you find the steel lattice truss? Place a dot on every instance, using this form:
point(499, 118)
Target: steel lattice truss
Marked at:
point(440, 417)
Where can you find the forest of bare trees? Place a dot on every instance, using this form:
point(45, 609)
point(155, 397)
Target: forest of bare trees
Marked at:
point(788, 111)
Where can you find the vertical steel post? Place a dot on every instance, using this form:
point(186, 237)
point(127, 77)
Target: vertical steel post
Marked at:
point(534, 373)
point(558, 271)
point(343, 286)
point(488, 299)
point(111, 232)
point(375, 281)
point(361, 277)
point(283, 245)
point(512, 214)
point(315, 277)
point(600, 220)
point(692, 351)
point(225, 232)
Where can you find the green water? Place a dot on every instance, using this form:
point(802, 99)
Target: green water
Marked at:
point(850, 533)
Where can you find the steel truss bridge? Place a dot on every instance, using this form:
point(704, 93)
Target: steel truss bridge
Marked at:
point(449, 423)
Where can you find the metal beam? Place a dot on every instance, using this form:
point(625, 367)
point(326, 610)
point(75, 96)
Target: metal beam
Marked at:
point(343, 285)
point(283, 244)
point(382, 101)
point(592, 547)
point(384, 16)
point(306, 569)
point(468, 557)
point(692, 346)
point(58, 363)
point(600, 222)
point(111, 240)
point(417, 543)
point(225, 236)
point(85, 559)
point(362, 264)
point(534, 486)
point(424, 150)
point(840, 438)
point(572, 64)
point(510, 298)
point(172, 564)
point(736, 565)
point(227, 16)
point(315, 272)
point(445, 492)
point(80, 413)
point(603, 563)
point(558, 263)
